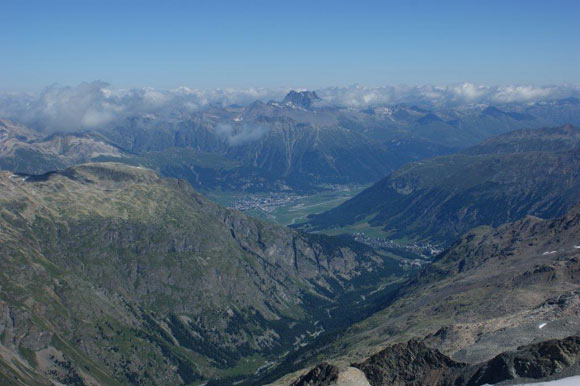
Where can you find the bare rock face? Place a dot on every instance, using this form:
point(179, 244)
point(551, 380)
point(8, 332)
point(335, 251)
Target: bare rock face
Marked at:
point(302, 99)
point(410, 364)
point(326, 374)
point(352, 377)
point(535, 361)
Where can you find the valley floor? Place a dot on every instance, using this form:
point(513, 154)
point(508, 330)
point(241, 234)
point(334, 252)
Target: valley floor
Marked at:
point(286, 208)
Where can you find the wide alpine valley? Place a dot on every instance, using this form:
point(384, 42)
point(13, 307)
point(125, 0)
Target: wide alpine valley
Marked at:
point(226, 193)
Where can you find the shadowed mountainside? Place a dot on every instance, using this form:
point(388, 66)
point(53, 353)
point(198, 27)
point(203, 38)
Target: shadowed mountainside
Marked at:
point(527, 172)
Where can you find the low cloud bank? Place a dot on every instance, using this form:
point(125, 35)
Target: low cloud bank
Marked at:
point(443, 96)
point(98, 104)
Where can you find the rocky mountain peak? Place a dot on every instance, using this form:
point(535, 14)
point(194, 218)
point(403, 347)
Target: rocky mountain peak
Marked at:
point(302, 99)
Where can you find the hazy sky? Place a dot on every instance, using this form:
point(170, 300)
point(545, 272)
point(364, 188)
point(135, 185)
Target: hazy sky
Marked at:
point(208, 44)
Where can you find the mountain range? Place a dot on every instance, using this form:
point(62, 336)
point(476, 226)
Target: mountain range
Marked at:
point(299, 144)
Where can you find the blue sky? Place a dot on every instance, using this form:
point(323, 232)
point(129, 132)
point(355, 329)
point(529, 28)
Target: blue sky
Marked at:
point(210, 44)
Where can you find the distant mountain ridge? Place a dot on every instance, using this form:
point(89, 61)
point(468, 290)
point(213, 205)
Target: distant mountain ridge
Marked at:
point(303, 99)
point(300, 143)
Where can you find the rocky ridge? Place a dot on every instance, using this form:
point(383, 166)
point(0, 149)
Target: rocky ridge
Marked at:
point(415, 364)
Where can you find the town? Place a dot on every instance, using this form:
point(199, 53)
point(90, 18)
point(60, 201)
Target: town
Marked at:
point(267, 203)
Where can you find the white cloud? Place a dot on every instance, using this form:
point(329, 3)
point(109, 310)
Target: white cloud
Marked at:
point(97, 104)
point(442, 96)
point(240, 135)
point(523, 93)
point(469, 91)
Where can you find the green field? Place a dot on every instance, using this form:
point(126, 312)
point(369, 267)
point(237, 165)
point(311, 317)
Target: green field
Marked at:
point(361, 227)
